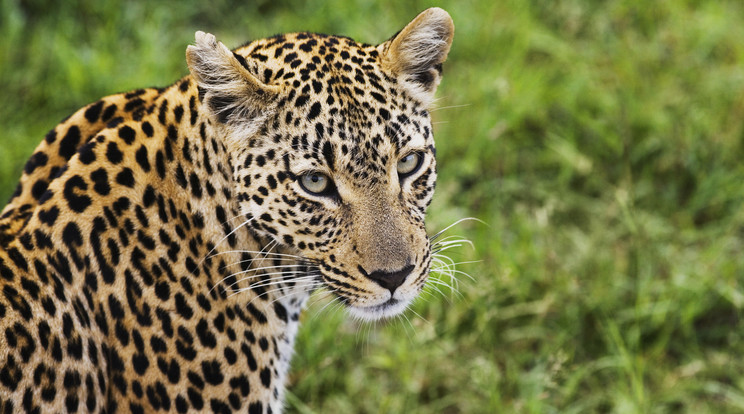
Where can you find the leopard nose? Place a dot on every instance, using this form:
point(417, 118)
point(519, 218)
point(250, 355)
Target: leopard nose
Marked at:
point(389, 280)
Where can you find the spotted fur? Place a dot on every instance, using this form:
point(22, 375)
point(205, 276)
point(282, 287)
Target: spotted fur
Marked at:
point(161, 244)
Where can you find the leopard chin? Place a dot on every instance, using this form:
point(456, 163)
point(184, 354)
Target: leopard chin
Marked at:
point(385, 310)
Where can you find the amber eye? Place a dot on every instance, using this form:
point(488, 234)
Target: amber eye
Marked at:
point(409, 164)
point(315, 183)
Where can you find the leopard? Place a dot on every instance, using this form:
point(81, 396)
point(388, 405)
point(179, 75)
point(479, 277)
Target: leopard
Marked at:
point(162, 244)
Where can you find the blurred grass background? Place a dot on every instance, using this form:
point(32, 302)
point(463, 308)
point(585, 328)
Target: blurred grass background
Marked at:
point(602, 142)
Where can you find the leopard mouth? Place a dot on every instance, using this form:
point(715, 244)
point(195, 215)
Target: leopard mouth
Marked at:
point(392, 307)
point(371, 304)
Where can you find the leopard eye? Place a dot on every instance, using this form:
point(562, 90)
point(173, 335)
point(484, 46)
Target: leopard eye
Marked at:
point(409, 164)
point(315, 183)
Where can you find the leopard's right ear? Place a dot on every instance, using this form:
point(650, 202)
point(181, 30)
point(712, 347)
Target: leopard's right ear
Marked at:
point(232, 94)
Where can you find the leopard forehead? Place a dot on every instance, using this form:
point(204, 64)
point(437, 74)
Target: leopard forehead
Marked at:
point(338, 111)
point(339, 105)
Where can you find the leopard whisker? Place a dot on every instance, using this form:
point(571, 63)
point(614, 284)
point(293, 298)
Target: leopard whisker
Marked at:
point(452, 287)
point(258, 269)
point(267, 249)
point(270, 275)
point(425, 295)
point(444, 270)
point(238, 227)
point(334, 302)
point(438, 234)
point(231, 285)
point(433, 285)
point(262, 284)
point(307, 288)
point(450, 267)
point(279, 289)
point(445, 248)
point(446, 238)
point(338, 306)
point(261, 254)
point(322, 294)
point(310, 286)
point(450, 107)
point(276, 259)
point(264, 253)
point(281, 276)
point(452, 240)
point(405, 317)
point(419, 316)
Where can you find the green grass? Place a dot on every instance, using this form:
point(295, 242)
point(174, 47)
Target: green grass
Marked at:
point(601, 142)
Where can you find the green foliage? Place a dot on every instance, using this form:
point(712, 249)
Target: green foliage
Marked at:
point(600, 142)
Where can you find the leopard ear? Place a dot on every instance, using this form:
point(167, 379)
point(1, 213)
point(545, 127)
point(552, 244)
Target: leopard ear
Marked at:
point(415, 55)
point(233, 94)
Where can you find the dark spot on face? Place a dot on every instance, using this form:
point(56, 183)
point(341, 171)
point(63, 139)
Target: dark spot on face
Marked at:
point(329, 155)
point(301, 100)
point(314, 111)
point(378, 97)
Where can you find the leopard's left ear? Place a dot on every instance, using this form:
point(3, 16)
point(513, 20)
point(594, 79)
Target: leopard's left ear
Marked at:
point(233, 95)
point(415, 55)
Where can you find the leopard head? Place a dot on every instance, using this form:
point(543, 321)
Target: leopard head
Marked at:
point(332, 150)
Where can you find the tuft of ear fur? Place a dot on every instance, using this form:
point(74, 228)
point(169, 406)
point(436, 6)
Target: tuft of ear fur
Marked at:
point(417, 52)
point(233, 95)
